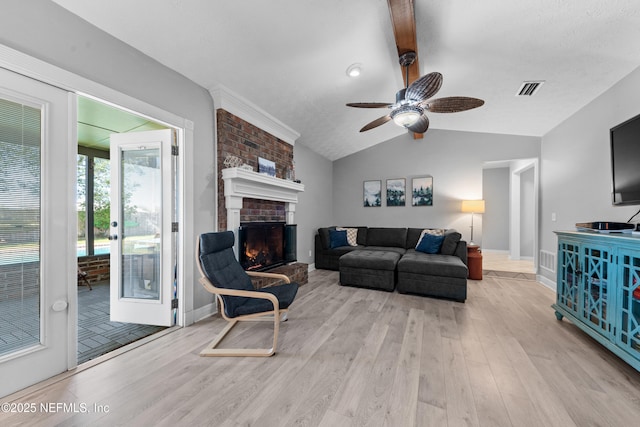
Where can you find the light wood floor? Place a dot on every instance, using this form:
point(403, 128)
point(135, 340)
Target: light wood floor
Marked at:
point(358, 357)
point(499, 261)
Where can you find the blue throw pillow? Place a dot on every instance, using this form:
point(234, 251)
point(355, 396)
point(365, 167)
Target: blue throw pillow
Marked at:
point(338, 238)
point(430, 244)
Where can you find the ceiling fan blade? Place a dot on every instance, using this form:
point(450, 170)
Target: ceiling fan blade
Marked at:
point(452, 104)
point(369, 104)
point(425, 87)
point(377, 122)
point(421, 125)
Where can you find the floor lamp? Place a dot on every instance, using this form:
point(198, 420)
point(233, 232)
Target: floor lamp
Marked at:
point(472, 206)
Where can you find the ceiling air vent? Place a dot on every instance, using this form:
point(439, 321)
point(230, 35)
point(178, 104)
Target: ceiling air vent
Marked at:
point(529, 88)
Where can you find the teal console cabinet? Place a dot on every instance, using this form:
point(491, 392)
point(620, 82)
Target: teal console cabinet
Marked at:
point(598, 289)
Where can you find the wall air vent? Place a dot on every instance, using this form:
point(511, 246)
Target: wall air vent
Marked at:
point(529, 88)
point(547, 260)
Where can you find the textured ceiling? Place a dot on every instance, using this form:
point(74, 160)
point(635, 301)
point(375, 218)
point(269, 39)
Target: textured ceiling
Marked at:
point(289, 57)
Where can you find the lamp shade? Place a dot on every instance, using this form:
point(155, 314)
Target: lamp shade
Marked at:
point(473, 206)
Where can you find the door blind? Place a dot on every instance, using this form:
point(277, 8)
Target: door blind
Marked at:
point(20, 177)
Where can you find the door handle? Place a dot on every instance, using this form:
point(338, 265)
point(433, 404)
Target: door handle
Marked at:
point(59, 305)
point(113, 237)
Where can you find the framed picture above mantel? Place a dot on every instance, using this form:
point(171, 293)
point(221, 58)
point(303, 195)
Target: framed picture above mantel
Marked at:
point(266, 167)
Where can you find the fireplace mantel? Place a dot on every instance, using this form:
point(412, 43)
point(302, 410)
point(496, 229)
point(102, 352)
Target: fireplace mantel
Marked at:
point(240, 183)
point(244, 183)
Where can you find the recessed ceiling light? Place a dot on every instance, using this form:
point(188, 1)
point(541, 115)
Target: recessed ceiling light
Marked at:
point(354, 70)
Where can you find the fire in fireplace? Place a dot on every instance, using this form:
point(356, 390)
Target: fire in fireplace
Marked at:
point(264, 245)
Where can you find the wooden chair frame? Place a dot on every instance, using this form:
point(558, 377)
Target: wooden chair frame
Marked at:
point(82, 279)
point(276, 315)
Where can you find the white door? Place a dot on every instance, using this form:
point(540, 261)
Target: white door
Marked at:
point(143, 246)
point(37, 232)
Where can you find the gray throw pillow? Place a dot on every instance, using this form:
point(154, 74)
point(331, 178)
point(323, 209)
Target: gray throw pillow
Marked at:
point(324, 236)
point(413, 237)
point(450, 243)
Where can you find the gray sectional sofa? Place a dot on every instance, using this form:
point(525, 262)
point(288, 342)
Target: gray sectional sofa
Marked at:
point(386, 258)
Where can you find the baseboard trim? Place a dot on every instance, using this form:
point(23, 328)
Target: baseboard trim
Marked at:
point(522, 258)
point(311, 267)
point(495, 251)
point(204, 312)
point(547, 282)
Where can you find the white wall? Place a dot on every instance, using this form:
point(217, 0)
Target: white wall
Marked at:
point(576, 164)
point(527, 213)
point(454, 159)
point(314, 204)
point(495, 220)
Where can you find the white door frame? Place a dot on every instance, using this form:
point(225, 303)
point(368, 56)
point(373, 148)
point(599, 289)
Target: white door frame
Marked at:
point(516, 170)
point(28, 66)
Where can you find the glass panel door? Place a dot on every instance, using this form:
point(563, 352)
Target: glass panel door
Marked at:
point(571, 274)
point(37, 232)
point(596, 292)
point(628, 335)
point(142, 210)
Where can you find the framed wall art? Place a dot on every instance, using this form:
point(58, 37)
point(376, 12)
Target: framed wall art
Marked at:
point(422, 191)
point(372, 193)
point(266, 167)
point(396, 192)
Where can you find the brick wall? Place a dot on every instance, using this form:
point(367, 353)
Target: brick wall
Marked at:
point(239, 138)
point(297, 272)
point(13, 276)
point(96, 267)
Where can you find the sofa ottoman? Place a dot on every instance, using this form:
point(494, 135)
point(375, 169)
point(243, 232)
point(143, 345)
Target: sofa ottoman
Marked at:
point(370, 269)
point(433, 275)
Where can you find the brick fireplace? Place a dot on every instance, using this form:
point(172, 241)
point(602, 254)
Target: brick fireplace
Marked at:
point(237, 137)
point(245, 131)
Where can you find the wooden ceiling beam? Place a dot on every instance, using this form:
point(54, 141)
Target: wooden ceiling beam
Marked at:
point(403, 20)
point(404, 30)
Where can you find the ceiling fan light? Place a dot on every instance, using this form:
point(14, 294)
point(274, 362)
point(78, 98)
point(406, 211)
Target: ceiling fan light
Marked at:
point(406, 118)
point(406, 115)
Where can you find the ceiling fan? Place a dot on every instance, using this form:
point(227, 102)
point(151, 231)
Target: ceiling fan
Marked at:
point(414, 100)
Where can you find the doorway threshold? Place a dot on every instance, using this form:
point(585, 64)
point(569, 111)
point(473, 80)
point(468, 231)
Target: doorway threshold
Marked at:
point(97, 335)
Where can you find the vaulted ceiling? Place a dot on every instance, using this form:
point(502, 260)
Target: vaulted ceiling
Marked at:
point(289, 57)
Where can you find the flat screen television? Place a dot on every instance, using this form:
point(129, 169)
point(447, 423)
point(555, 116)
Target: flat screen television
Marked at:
point(625, 162)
